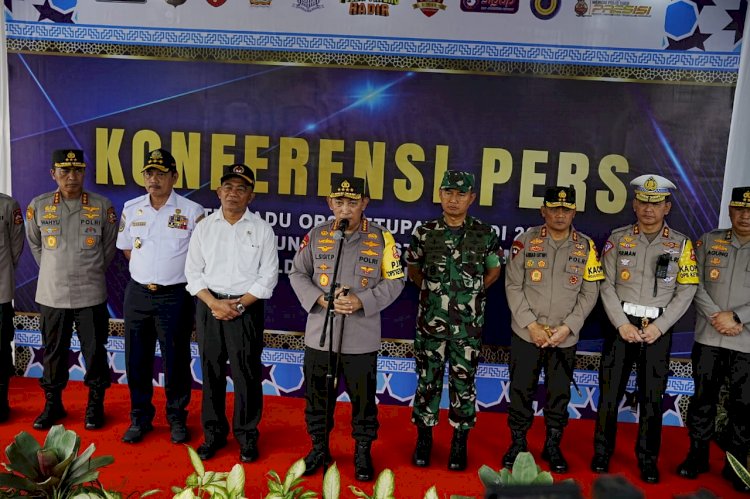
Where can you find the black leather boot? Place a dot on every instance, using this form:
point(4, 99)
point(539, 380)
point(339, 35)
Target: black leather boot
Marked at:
point(363, 468)
point(457, 459)
point(53, 411)
point(317, 457)
point(517, 445)
point(4, 405)
point(423, 449)
point(696, 461)
point(552, 453)
point(94, 418)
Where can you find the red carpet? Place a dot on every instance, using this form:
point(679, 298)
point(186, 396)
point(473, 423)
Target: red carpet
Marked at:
point(156, 463)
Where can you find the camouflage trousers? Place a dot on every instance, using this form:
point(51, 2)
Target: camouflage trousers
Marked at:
point(462, 355)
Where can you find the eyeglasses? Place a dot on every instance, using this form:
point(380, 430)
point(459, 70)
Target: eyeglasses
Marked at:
point(239, 189)
point(66, 172)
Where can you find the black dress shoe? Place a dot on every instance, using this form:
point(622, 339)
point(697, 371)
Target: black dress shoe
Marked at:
point(649, 472)
point(208, 448)
point(179, 432)
point(600, 463)
point(135, 433)
point(249, 452)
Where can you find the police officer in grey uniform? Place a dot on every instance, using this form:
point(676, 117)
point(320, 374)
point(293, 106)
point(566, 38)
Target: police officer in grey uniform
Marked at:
point(551, 285)
point(370, 269)
point(11, 245)
point(154, 234)
point(722, 340)
point(650, 279)
point(72, 234)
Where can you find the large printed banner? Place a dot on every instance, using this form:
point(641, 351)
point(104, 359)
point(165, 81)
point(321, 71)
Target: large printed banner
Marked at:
point(296, 126)
point(683, 34)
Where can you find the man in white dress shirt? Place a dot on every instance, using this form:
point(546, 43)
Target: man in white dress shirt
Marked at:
point(154, 234)
point(232, 265)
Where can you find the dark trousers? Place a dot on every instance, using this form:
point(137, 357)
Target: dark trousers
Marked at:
point(165, 315)
point(7, 331)
point(92, 325)
point(526, 363)
point(653, 368)
point(710, 366)
point(360, 378)
point(241, 342)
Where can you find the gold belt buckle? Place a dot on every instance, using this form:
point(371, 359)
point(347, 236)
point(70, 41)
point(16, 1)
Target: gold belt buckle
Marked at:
point(644, 322)
point(152, 287)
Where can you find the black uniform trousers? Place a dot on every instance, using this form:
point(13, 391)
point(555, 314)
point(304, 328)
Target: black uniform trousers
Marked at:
point(241, 342)
point(92, 326)
point(360, 378)
point(7, 331)
point(165, 314)
point(616, 365)
point(710, 366)
point(526, 363)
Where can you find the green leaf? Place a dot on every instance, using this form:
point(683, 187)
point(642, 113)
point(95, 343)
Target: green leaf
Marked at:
point(543, 478)
point(82, 459)
point(295, 471)
point(217, 491)
point(332, 483)
point(150, 493)
point(47, 459)
point(505, 478)
point(385, 485)
point(358, 492)
point(21, 454)
point(86, 477)
point(63, 442)
point(196, 461)
point(739, 469)
point(309, 494)
point(185, 494)
point(524, 469)
point(274, 487)
point(236, 481)
point(431, 493)
point(10, 481)
point(488, 476)
point(192, 480)
point(274, 476)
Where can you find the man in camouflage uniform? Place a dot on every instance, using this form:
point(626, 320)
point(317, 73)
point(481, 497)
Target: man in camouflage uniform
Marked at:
point(72, 235)
point(650, 279)
point(453, 260)
point(551, 283)
point(722, 341)
point(11, 244)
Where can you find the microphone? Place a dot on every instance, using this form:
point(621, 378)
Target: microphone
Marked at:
point(342, 226)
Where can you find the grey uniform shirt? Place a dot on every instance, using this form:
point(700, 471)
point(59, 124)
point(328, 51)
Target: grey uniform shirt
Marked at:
point(73, 248)
point(724, 267)
point(553, 284)
point(629, 262)
point(369, 265)
point(11, 245)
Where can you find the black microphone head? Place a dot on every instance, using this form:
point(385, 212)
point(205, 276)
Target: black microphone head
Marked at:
point(343, 224)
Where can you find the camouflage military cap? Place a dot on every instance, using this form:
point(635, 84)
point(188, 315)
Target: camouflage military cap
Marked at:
point(455, 179)
point(68, 158)
point(560, 196)
point(161, 159)
point(740, 197)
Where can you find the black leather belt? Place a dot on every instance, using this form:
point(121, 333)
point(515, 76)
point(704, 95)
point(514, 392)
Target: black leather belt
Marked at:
point(224, 296)
point(156, 288)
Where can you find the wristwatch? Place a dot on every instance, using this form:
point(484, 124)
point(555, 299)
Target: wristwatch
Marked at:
point(240, 308)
